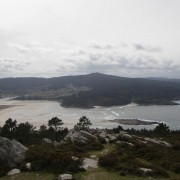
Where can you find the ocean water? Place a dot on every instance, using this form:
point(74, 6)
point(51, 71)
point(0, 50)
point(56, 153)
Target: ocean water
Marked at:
point(39, 112)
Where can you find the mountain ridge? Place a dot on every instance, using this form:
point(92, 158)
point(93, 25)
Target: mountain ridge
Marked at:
point(92, 89)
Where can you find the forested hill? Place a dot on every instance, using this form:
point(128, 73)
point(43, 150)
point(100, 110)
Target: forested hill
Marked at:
point(93, 89)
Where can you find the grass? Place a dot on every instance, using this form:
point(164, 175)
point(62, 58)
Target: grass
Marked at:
point(98, 174)
point(30, 176)
point(101, 174)
point(93, 174)
point(107, 148)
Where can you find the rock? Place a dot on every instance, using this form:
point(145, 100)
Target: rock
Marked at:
point(124, 142)
point(150, 141)
point(146, 170)
point(56, 144)
point(103, 135)
point(13, 171)
point(79, 137)
point(106, 140)
point(65, 177)
point(48, 141)
point(112, 138)
point(75, 158)
point(28, 166)
point(107, 137)
point(89, 163)
point(93, 156)
point(125, 136)
point(11, 152)
point(156, 141)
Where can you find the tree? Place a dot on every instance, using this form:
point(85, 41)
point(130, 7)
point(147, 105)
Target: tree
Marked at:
point(162, 129)
point(9, 128)
point(84, 123)
point(55, 123)
point(42, 128)
point(24, 132)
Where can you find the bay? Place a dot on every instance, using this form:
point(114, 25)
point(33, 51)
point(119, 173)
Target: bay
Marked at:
point(39, 112)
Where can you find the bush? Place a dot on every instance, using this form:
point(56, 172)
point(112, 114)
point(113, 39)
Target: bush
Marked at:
point(50, 158)
point(4, 170)
point(108, 160)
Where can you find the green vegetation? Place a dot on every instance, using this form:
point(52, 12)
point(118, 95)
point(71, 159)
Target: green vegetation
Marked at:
point(31, 176)
point(116, 161)
point(54, 159)
point(55, 123)
point(27, 134)
point(127, 160)
point(84, 123)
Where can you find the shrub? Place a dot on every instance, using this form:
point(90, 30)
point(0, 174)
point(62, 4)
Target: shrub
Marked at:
point(4, 170)
point(50, 158)
point(108, 160)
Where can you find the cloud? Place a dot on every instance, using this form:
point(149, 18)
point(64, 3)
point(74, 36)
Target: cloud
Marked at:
point(12, 65)
point(31, 48)
point(64, 59)
point(106, 46)
point(147, 48)
point(114, 60)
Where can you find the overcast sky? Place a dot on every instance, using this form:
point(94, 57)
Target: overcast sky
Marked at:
point(134, 38)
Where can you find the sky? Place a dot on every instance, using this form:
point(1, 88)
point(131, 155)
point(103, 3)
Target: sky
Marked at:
point(132, 38)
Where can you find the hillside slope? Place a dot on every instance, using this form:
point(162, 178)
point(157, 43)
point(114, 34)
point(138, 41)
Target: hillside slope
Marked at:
point(93, 90)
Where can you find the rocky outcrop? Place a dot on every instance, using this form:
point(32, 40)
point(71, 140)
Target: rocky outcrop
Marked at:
point(107, 137)
point(151, 142)
point(124, 143)
point(89, 163)
point(48, 141)
point(13, 171)
point(11, 152)
point(124, 138)
point(79, 137)
point(65, 177)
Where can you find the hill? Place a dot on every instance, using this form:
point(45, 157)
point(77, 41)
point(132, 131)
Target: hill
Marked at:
point(93, 90)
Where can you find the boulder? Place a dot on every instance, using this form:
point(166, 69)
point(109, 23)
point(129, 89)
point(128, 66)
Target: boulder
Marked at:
point(28, 166)
point(125, 136)
point(124, 142)
point(75, 158)
point(145, 171)
point(156, 141)
point(48, 141)
point(112, 137)
point(79, 137)
point(151, 142)
point(90, 163)
point(56, 144)
point(107, 137)
point(65, 177)
point(103, 135)
point(13, 171)
point(106, 140)
point(11, 152)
